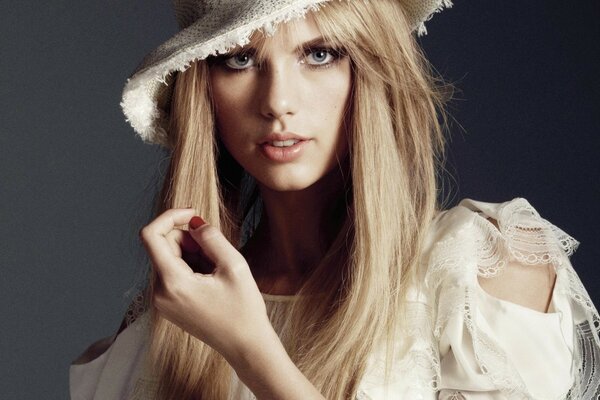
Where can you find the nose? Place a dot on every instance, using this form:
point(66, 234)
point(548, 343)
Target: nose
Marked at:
point(278, 96)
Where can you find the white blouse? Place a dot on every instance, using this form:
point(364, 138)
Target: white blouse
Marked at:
point(462, 342)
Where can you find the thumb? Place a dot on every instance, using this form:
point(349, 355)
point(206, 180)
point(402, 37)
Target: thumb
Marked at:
point(215, 245)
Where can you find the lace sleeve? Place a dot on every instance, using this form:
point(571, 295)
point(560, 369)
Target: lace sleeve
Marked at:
point(482, 339)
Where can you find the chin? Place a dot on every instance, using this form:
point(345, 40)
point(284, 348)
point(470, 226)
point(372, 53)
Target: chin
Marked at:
point(287, 183)
point(286, 186)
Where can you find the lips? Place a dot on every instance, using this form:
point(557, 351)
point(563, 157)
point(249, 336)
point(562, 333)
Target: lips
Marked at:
point(274, 137)
point(283, 147)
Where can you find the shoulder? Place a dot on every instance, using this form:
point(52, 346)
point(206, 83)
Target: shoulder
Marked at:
point(507, 249)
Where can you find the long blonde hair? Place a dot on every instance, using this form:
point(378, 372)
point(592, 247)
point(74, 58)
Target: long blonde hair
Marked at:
point(395, 140)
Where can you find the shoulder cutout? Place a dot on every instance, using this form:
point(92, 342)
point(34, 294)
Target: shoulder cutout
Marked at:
point(525, 285)
point(521, 284)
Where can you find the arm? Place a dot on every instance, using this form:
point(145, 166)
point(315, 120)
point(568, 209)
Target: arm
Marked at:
point(270, 374)
point(224, 309)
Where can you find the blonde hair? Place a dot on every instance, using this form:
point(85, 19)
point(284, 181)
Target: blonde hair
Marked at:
point(354, 299)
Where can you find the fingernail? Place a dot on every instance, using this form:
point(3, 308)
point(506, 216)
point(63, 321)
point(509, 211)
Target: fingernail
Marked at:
point(196, 222)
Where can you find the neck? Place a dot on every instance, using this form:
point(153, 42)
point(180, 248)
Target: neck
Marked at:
point(296, 229)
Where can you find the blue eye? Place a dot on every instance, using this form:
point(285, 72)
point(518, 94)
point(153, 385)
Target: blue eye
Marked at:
point(321, 57)
point(240, 61)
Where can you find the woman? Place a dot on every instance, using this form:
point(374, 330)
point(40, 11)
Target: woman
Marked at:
point(326, 269)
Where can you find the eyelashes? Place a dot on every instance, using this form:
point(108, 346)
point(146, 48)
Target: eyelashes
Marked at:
point(312, 57)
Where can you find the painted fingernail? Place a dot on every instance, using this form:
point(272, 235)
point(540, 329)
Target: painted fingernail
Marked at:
point(196, 222)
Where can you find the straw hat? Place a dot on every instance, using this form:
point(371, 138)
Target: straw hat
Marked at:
point(209, 27)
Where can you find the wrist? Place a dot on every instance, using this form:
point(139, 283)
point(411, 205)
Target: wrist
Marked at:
point(256, 346)
point(267, 370)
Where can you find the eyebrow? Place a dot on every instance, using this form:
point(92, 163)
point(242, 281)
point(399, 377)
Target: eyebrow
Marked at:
point(319, 41)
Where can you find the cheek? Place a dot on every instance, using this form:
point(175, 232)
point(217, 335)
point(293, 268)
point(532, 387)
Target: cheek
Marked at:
point(332, 93)
point(331, 101)
point(229, 100)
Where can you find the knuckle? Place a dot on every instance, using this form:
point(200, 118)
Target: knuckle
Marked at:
point(144, 233)
point(237, 266)
point(175, 235)
point(207, 235)
point(174, 290)
point(177, 291)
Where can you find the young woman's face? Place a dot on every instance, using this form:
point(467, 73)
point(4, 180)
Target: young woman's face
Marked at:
point(282, 117)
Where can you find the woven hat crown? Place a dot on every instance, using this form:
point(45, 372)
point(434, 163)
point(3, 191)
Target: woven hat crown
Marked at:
point(188, 11)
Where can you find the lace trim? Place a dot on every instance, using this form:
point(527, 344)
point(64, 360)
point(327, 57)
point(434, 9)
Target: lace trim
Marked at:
point(587, 384)
point(523, 235)
point(137, 307)
point(455, 396)
point(421, 366)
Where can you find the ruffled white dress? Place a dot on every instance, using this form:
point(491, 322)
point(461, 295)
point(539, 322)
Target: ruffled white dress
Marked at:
point(462, 342)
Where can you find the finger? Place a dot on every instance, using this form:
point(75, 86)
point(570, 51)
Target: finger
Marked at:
point(174, 239)
point(153, 236)
point(184, 246)
point(188, 244)
point(216, 247)
point(182, 242)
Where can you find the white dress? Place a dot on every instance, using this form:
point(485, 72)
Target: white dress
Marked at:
point(463, 343)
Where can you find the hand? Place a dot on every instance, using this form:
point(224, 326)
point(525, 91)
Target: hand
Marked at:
point(224, 309)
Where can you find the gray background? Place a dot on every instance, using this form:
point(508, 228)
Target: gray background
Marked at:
point(76, 184)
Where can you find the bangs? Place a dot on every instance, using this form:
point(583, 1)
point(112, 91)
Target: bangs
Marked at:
point(286, 35)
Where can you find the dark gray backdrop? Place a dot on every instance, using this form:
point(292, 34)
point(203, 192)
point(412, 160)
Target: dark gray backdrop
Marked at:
point(75, 183)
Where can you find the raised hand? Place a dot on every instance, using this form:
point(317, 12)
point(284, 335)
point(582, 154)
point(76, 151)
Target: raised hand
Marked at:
point(224, 309)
